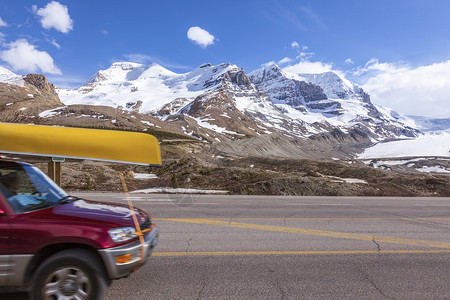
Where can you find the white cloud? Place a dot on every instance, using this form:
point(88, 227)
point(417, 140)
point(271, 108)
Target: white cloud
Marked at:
point(104, 31)
point(301, 53)
point(310, 13)
point(147, 59)
point(284, 61)
point(297, 46)
point(374, 67)
point(55, 15)
point(305, 65)
point(54, 43)
point(305, 55)
point(22, 56)
point(309, 67)
point(415, 91)
point(200, 36)
point(268, 64)
point(349, 61)
point(3, 23)
point(139, 58)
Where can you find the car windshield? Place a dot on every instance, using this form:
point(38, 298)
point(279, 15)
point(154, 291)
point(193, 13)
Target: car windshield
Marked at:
point(27, 188)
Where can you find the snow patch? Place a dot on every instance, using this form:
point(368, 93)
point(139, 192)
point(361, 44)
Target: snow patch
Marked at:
point(144, 176)
point(347, 180)
point(147, 123)
point(166, 190)
point(428, 144)
point(435, 169)
point(51, 112)
point(204, 124)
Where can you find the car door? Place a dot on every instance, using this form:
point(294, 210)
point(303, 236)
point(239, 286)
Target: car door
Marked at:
point(5, 247)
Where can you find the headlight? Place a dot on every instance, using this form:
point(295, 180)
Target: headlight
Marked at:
point(122, 234)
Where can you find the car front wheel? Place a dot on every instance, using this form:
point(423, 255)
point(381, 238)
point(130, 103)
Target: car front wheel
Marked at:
point(69, 274)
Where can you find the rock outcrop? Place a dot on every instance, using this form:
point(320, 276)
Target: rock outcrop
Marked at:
point(42, 86)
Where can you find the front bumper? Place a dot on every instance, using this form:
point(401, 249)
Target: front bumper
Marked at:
point(117, 270)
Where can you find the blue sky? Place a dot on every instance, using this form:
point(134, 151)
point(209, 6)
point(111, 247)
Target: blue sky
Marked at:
point(397, 50)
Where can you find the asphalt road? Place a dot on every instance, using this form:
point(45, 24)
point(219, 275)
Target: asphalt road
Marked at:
point(253, 247)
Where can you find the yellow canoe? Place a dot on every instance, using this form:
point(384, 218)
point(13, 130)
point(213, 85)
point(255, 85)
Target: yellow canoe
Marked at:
point(81, 143)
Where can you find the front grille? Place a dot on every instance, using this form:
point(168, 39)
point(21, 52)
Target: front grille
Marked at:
point(146, 224)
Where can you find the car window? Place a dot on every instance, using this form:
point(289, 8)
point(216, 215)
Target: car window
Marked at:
point(27, 188)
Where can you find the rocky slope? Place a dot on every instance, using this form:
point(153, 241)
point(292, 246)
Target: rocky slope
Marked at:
point(254, 176)
point(25, 96)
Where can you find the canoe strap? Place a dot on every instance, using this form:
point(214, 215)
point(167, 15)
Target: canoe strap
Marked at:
point(138, 232)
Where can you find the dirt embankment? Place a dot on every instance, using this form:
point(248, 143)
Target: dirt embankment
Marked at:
point(255, 176)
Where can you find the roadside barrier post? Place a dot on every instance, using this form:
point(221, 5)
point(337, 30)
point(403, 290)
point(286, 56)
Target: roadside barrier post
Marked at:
point(54, 170)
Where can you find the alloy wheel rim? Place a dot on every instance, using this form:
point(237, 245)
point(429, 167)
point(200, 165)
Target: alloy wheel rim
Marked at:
point(67, 283)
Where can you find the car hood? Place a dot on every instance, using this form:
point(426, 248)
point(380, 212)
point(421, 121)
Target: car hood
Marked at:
point(112, 214)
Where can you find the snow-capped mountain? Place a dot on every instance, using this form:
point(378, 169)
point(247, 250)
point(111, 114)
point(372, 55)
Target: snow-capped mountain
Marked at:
point(224, 99)
point(8, 77)
point(209, 99)
point(218, 103)
point(328, 98)
point(151, 87)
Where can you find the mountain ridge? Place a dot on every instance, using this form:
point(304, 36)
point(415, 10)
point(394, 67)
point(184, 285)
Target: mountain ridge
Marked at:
point(217, 103)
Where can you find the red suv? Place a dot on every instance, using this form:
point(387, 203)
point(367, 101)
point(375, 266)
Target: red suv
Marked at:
point(61, 246)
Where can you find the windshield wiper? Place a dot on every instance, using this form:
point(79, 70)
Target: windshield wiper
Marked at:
point(37, 206)
point(68, 199)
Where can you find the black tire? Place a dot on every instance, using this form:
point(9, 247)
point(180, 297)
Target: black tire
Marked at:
point(69, 273)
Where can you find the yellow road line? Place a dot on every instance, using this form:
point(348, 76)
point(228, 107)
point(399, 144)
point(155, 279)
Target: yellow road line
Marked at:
point(344, 235)
point(235, 253)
